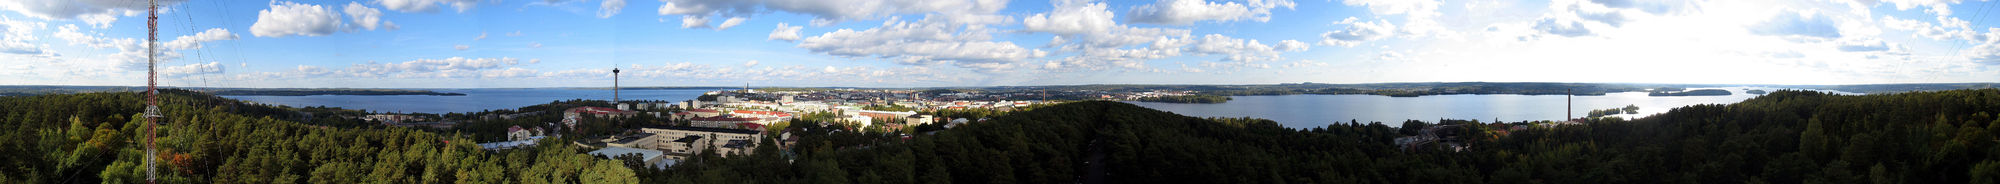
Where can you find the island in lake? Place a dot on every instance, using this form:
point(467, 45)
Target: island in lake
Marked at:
point(1755, 91)
point(311, 92)
point(1698, 92)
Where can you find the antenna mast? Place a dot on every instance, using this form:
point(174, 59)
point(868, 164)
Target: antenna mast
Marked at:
point(152, 91)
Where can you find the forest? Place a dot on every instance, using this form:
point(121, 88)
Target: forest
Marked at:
point(99, 138)
point(1783, 137)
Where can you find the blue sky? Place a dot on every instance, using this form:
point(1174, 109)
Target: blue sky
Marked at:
point(917, 43)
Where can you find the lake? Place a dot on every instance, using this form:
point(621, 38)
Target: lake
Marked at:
point(475, 100)
point(1305, 111)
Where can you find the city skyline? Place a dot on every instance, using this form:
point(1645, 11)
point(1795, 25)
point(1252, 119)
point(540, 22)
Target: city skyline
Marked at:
point(922, 43)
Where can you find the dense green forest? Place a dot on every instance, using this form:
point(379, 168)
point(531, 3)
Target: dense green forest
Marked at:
point(98, 138)
point(1187, 99)
point(1784, 137)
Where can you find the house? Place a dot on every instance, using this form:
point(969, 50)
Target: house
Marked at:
point(704, 113)
point(693, 140)
point(653, 158)
point(516, 133)
point(728, 122)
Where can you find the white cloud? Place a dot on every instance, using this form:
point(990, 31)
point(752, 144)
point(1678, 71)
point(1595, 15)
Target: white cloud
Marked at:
point(461, 47)
point(922, 42)
point(365, 17)
point(750, 63)
point(1419, 16)
point(191, 69)
point(694, 22)
point(426, 6)
point(1185, 12)
point(785, 32)
point(1395, 7)
point(534, 45)
point(1357, 32)
point(1561, 27)
point(288, 18)
point(1070, 18)
point(731, 22)
point(1292, 46)
point(17, 37)
point(515, 33)
point(1798, 24)
point(828, 11)
point(1940, 7)
point(98, 13)
point(1236, 50)
point(482, 36)
point(194, 41)
point(610, 8)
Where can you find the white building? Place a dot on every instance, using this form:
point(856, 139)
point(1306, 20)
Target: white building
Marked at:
point(652, 158)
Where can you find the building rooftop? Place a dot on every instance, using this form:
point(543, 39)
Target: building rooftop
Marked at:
point(703, 129)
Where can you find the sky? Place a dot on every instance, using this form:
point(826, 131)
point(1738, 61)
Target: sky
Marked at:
point(932, 43)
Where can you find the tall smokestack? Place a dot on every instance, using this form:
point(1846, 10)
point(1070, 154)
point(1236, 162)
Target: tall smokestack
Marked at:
point(1569, 103)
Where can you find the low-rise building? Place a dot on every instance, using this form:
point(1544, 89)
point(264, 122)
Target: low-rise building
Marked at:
point(653, 158)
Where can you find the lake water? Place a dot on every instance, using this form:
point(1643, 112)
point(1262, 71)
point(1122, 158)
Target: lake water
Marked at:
point(1305, 111)
point(475, 100)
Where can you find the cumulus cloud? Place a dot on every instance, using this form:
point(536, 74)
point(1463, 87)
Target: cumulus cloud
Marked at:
point(288, 18)
point(131, 53)
point(98, 13)
point(1561, 27)
point(694, 22)
point(1292, 46)
point(1357, 32)
point(192, 69)
point(785, 32)
point(1798, 24)
point(427, 6)
point(194, 41)
point(1071, 19)
point(363, 16)
point(921, 42)
point(1184, 12)
point(17, 37)
point(1236, 50)
point(828, 11)
point(731, 22)
point(610, 8)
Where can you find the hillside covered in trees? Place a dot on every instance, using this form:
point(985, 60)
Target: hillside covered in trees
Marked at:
point(1782, 137)
point(98, 138)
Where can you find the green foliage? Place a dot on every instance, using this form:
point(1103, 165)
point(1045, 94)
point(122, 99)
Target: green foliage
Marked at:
point(99, 137)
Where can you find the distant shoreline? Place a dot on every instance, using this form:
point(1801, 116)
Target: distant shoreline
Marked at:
point(316, 92)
